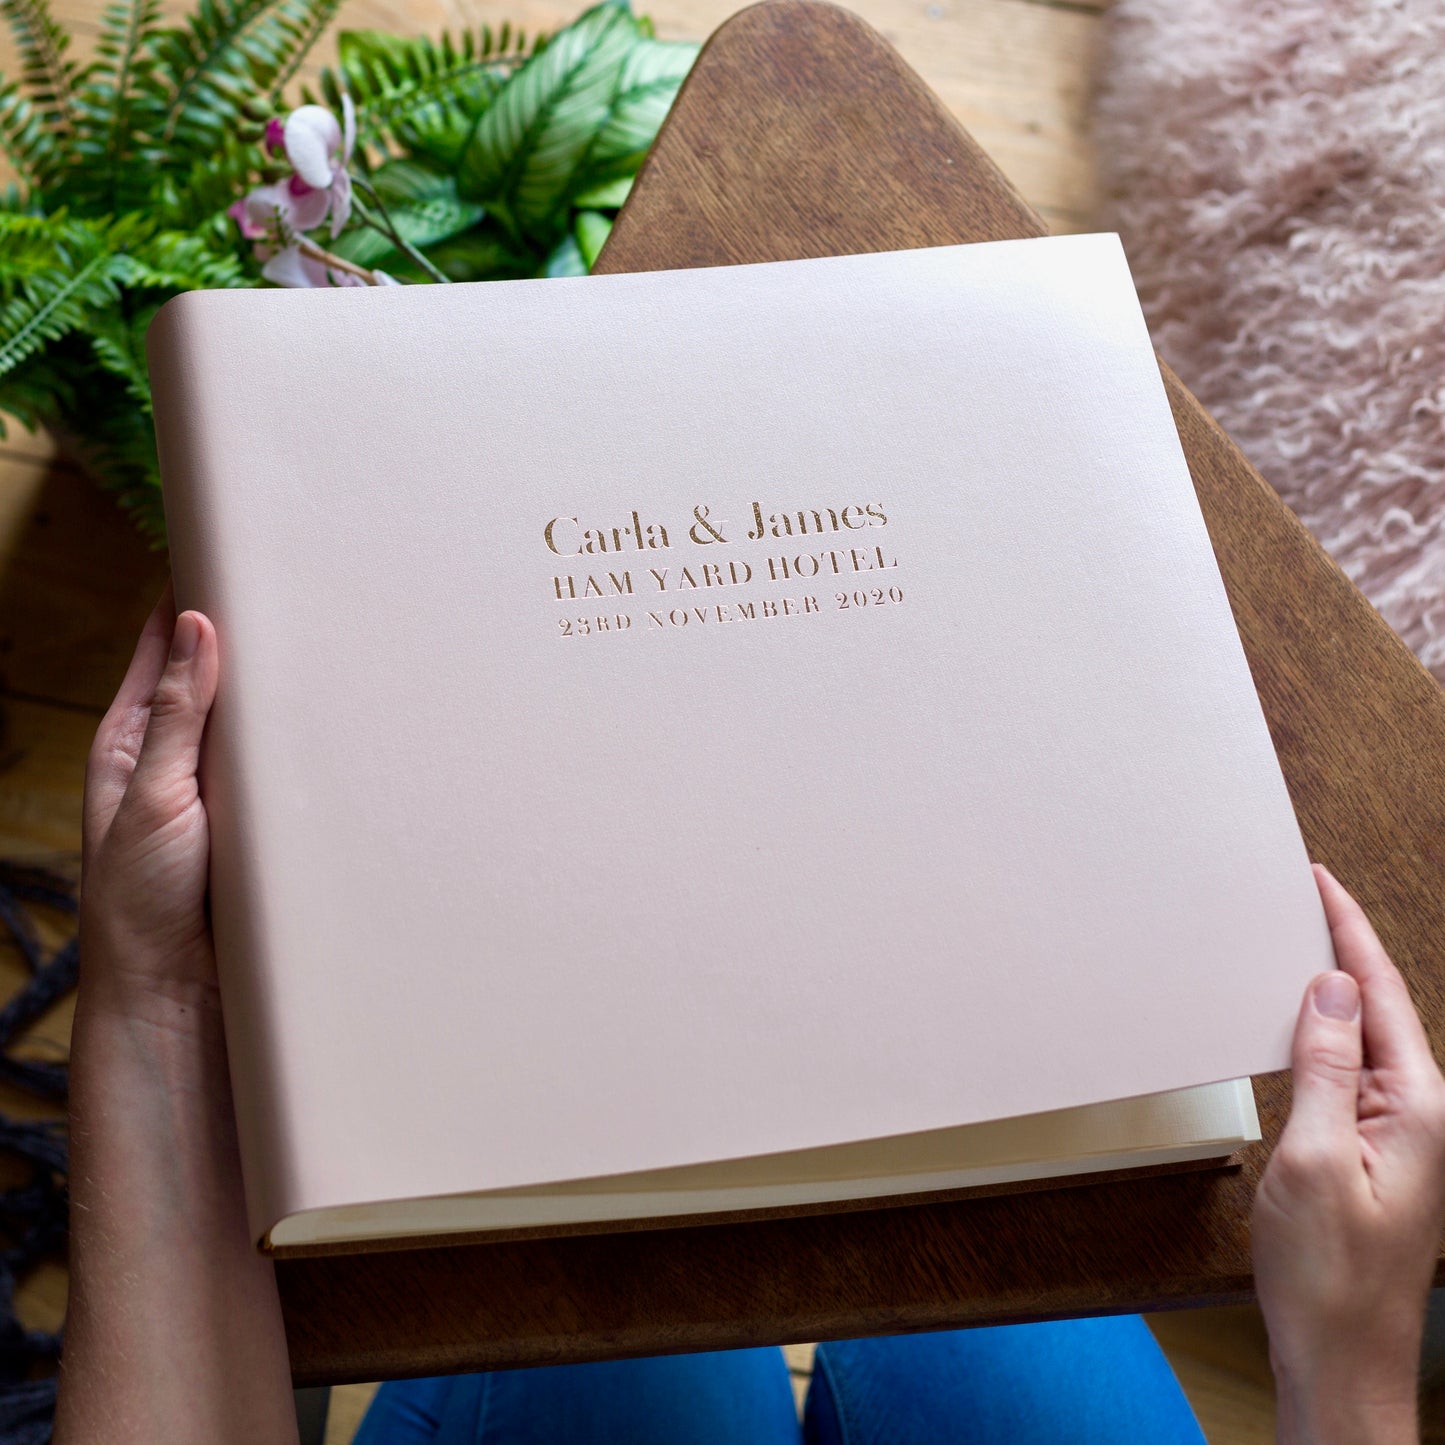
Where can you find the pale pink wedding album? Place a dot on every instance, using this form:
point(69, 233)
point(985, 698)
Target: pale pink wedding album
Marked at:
point(714, 739)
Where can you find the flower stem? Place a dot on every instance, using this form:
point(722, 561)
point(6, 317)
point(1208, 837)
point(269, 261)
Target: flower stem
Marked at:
point(308, 247)
point(388, 227)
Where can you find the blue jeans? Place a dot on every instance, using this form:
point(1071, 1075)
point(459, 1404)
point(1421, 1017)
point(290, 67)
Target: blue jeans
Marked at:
point(1084, 1382)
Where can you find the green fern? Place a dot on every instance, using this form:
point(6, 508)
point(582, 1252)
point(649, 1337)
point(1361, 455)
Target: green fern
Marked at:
point(421, 94)
point(195, 199)
point(481, 155)
point(303, 32)
point(54, 300)
point(48, 74)
point(25, 138)
point(112, 155)
point(120, 348)
point(30, 246)
point(207, 70)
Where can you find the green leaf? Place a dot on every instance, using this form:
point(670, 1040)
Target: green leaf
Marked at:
point(482, 254)
point(566, 259)
point(306, 29)
point(195, 198)
point(531, 141)
point(605, 195)
point(651, 76)
point(407, 179)
point(591, 228)
point(179, 261)
point(419, 223)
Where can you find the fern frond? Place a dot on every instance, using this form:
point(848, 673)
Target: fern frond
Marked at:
point(30, 246)
point(196, 198)
point(42, 45)
point(420, 93)
point(56, 301)
point(307, 29)
point(25, 138)
point(111, 149)
point(179, 261)
point(121, 351)
point(227, 53)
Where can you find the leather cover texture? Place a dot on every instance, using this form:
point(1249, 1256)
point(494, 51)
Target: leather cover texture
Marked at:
point(946, 798)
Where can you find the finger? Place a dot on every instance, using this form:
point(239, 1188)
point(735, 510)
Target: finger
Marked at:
point(1327, 1056)
point(170, 753)
point(118, 738)
point(1394, 1036)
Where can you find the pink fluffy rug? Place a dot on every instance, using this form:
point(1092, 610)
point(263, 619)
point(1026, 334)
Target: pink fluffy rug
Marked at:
point(1277, 171)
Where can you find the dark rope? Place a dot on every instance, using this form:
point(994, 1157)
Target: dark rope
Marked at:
point(34, 1216)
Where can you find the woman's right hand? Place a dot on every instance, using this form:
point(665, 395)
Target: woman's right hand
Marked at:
point(1348, 1216)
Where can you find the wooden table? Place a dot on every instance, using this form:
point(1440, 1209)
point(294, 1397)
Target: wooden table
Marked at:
point(801, 133)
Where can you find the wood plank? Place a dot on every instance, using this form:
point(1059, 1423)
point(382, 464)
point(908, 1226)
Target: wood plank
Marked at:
point(343, 1417)
point(76, 585)
point(42, 778)
point(1221, 1357)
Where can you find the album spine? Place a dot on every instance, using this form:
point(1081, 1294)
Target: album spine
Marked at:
point(200, 445)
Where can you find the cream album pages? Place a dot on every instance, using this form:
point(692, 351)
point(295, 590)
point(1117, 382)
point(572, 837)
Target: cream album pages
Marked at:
point(718, 739)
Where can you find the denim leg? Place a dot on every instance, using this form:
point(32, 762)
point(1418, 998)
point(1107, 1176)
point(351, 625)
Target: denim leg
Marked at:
point(406, 1412)
point(734, 1397)
point(1075, 1382)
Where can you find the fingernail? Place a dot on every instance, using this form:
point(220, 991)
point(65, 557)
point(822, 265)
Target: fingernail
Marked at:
point(1337, 997)
point(186, 638)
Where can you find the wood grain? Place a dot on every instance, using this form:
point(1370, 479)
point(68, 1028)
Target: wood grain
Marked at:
point(800, 134)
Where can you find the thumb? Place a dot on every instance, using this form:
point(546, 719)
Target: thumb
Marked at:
point(1327, 1057)
point(170, 751)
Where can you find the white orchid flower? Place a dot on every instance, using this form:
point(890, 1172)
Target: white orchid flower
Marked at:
point(275, 216)
point(319, 149)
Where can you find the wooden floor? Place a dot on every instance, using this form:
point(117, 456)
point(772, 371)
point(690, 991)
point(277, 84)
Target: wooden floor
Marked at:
point(75, 585)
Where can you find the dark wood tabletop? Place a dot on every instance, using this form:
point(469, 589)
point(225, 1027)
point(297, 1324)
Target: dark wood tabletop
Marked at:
point(801, 133)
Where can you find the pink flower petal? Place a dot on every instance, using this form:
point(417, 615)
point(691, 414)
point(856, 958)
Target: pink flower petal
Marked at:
point(312, 137)
point(237, 212)
point(340, 201)
point(291, 268)
point(261, 210)
point(382, 279)
point(275, 137)
point(308, 209)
